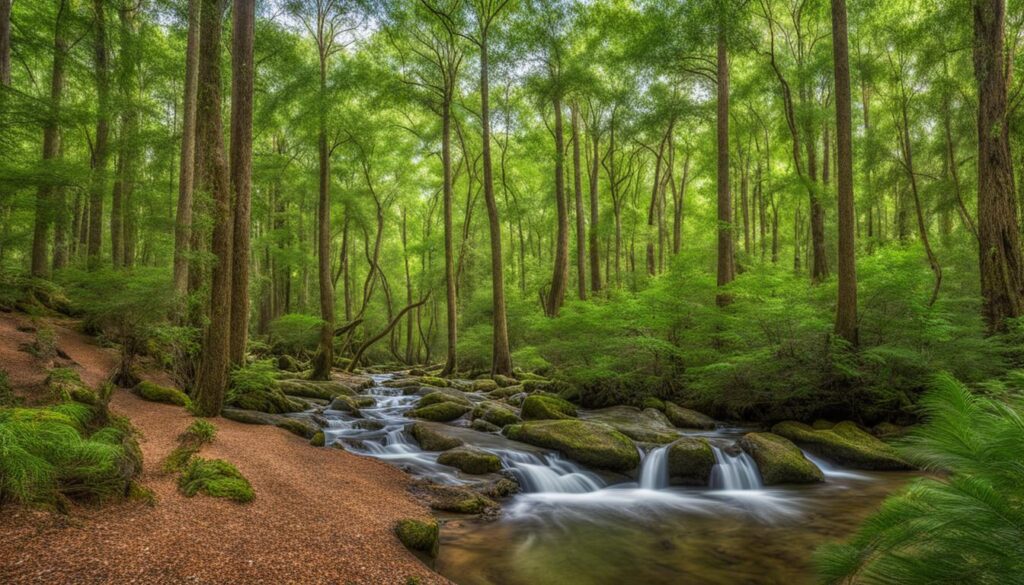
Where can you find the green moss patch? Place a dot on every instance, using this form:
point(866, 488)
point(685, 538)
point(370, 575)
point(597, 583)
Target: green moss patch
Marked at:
point(779, 460)
point(495, 413)
point(440, 412)
point(432, 437)
point(543, 406)
point(845, 444)
point(419, 535)
point(470, 460)
point(690, 461)
point(216, 478)
point(686, 418)
point(590, 443)
point(157, 393)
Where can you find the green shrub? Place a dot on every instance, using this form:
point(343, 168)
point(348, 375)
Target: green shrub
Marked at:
point(295, 334)
point(964, 525)
point(216, 478)
point(157, 393)
point(255, 387)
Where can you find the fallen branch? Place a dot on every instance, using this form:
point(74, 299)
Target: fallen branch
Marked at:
point(391, 325)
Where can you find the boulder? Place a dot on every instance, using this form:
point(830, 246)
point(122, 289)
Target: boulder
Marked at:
point(438, 397)
point(345, 404)
point(822, 424)
point(157, 393)
point(470, 460)
point(433, 381)
point(530, 386)
point(647, 426)
point(779, 460)
point(591, 443)
point(440, 412)
point(368, 424)
point(544, 406)
point(402, 383)
point(495, 413)
point(484, 385)
point(505, 381)
point(845, 444)
point(454, 498)
point(288, 363)
point(419, 535)
point(655, 403)
point(690, 461)
point(300, 427)
point(505, 392)
point(483, 426)
point(432, 437)
point(324, 390)
point(686, 418)
point(318, 439)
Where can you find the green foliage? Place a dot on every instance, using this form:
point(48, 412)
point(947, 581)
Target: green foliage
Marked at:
point(7, 397)
point(255, 387)
point(295, 334)
point(965, 526)
point(199, 433)
point(216, 478)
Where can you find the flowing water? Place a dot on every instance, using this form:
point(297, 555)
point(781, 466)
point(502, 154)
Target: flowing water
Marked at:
point(573, 526)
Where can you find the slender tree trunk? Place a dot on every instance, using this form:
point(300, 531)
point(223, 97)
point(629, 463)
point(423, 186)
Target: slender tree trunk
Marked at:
point(595, 250)
point(183, 218)
point(241, 171)
point(745, 202)
point(324, 360)
point(561, 266)
point(726, 267)
point(581, 227)
point(451, 362)
point(922, 229)
point(846, 305)
point(212, 173)
point(99, 155)
point(501, 356)
point(5, 42)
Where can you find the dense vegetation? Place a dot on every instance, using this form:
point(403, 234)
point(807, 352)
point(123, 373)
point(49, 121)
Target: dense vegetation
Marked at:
point(765, 210)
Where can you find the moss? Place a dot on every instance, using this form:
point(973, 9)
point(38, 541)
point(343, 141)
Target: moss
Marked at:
point(531, 386)
point(64, 385)
point(495, 413)
point(470, 460)
point(216, 478)
point(484, 385)
point(433, 381)
point(590, 443)
point(483, 426)
point(297, 427)
point(323, 390)
point(822, 424)
point(505, 392)
point(844, 443)
point(440, 412)
point(690, 461)
point(255, 387)
point(419, 535)
point(432, 438)
point(439, 397)
point(779, 460)
point(156, 393)
point(686, 418)
point(318, 440)
point(647, 426)
point(530, 376)
point(199, 433)
point(543, 406)
point(505, 381)
point(455, 498)
point(652, 402)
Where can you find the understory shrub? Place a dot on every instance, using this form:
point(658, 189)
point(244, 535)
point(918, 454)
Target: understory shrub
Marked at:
point(199, 433)
point(216, 478)
point(255, 387)
point(295, 334)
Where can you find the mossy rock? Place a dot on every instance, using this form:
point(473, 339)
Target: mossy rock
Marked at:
point(646, 426)
point(505, 381)
point(496, 413)
point(779, 460)
point(505, 392)
point(652, 402)
point(301, 428)
point(822, 424)
point(440, 412)
point(269, 400)
point(318, 440)
point(454, 498)
point(433, 381)
point(418, 535)
point(470, 460)
point(368, 424)
point(65, 384)
point(531, 386)
point(887, 430)
point(403, 383)
point(686, 418)
point(216, 478)
point(345, 404)
point(483, 426)
point(590, 443)
point(516, 399)
point(690, 461)
point(323, 390)
point(157, 393)
point(484, 385)
point(439, 397)
point(432, 437)
point(544, 407)
point(288, 363)
point(845, 444)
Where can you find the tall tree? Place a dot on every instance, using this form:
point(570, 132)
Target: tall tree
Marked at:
point(212, 175)
point(186, 165)
point(242, 33)
point(98, 184)
point(581, 228)
point(5, 42)
point(726, 263)
point(846, 305)
point(1002, 268)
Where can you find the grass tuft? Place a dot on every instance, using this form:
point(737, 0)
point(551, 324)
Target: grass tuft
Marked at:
point(216, 478)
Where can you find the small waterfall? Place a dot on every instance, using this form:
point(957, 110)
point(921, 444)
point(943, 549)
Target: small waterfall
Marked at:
point(654, 470)
point(550, 474)
point(734, 472)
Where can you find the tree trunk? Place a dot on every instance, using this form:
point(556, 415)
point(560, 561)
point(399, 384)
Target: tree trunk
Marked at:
point(241, 171)
point(726, 268)
point(212, 173)
point(451, 362)
point(183, 218)
point(595, 250)
point(99, 155)
point(745, 202)
point(5, 42)
point(324, 360)
point(846, 305)
point(581, 228)
point(561, 266)
point(922, 229)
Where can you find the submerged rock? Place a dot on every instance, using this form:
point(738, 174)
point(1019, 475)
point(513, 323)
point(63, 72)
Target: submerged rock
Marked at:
point(454, 498)
point(686, 418)
point(647, 426)
point(690, 461)
point(432, 437)
point(591, 443)
point(419, 535)
point(440, 412)
point(470, 460)
point(483, 426)
point(544, 406)
point(495, 413)
point(779, 460)
point(845, 444)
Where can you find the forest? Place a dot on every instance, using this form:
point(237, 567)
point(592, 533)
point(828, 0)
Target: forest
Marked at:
point(512, 291)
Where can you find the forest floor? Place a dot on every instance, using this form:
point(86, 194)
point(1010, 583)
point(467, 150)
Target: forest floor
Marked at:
point(319, 516)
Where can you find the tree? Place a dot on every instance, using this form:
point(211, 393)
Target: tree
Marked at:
point(5, 42)
point(846, 305)
point(99, 148)
point(726, 262)
point(186, 168)
point(243, 30)
point(999, 245)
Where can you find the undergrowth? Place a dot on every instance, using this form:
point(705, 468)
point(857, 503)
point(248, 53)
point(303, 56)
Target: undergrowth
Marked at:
point(216, 478)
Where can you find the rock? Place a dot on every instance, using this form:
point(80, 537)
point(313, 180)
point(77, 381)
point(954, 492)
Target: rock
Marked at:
point(302, 428)
point(432, 437)
point(438, 397)
point(269, 400)
point(822, 424)
point(647, 426)
point(686, 418)
point(484, 385)
point(779, 460)
point(368, 424)
point(470, 460)
point(845, 444)
point(453, 498)
point(250, 417)
point(419, 535)
point(531, 386)
point(544, 406)
point(324, 390)
point(484, 426)
point(590, 443)
point(530, 376)
point(318, 439)
point(516, 399)
point(345, 404)
point(888, 430)
point(434, 381)
point(402, 383)
point(495, 413)
point(505, 392)
point(288, 363)
point(690, 461)
point(156, 393)
point(356, 382)
point(655, 403)
point(505, 381)
point(440, 412)
point(499, 488)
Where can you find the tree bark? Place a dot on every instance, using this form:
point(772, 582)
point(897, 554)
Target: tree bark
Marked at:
point(581, 227)
point(186, 167)
point(241, 171)
point(212, 173)
point(561, 266)
point(595, 250)
point(846, 305)
point(99, 155)
point(451, 362)
point(726, 267)
point(5, 42)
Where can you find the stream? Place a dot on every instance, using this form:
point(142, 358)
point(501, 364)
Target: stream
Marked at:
point(571, 525)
